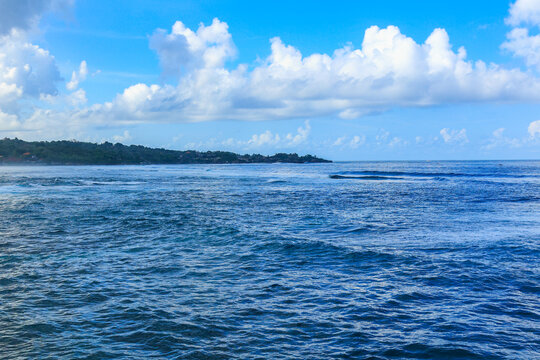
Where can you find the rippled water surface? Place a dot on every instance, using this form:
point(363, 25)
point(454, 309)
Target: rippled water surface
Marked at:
point(375, 260)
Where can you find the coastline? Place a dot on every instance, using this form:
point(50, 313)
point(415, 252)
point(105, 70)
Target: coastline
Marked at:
point(19, 152)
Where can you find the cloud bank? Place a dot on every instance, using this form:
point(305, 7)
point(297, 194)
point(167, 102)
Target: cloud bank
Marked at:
point(388, 69)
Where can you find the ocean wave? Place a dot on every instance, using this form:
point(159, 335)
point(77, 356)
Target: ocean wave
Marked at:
point(366, 177)
point(442, 174)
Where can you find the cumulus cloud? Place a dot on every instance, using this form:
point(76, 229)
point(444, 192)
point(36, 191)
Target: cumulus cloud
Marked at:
point(388, 70)
point(382, 140)
point(534, 129)
point(266, 139)
point(269, 138)
point(519, 41)
point(301, 136)
point(77, 98)
point(25, 70)
point(121, 138)
point(339, 141)
point(8, 122)
point(78, 76)
point(499, 139)
point(185, 49)
point(524, 12)
point(454, 136)
point(357, 141)
point(521, 44)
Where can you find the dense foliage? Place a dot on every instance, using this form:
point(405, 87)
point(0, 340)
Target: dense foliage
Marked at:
point(83, 153)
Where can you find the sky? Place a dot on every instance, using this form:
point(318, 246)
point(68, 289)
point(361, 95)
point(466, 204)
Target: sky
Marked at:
point(345, 80)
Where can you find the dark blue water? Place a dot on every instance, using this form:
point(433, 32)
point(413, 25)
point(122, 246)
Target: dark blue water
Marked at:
point(405, 260)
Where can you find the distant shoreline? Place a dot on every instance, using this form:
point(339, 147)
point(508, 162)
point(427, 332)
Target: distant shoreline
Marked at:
point(74, 153)
point(38, 164)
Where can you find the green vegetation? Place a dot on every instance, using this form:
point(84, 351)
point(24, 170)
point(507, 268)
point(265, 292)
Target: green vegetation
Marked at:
point(13, 151)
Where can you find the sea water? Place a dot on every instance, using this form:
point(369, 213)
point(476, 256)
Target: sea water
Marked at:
point(362, 260)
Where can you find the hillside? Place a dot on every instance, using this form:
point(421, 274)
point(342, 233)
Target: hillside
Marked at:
point(15, 151)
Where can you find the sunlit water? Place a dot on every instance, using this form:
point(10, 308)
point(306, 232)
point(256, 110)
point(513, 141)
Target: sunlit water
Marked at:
point(427, 260)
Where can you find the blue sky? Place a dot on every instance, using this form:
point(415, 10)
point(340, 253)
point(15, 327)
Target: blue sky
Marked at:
point(432, 80)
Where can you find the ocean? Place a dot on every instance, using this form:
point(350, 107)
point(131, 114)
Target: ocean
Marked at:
point(352, 260)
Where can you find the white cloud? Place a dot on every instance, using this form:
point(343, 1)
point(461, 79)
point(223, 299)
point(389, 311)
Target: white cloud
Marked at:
point(29, 74)
point(534, 129)
point(390, 69)
point(121, 138)
point(349, 114)
point(25, 14)
point(9, 93)
point(27, 66)
point(357, 141)
point(26, 70)
point(76, 98)
point(498, 133)
point(301, 135)
point(397, 141)
point(266, 138)
point(339, 141)
point(382, 137)
point(499, 139)
point(521, 44)
point(524, 12)
point(184, 49)
point(454, 136)
point(8, 122)
point(78, 76)
point(519, 41)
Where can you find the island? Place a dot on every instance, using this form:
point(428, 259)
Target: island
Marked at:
point(16, 151)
